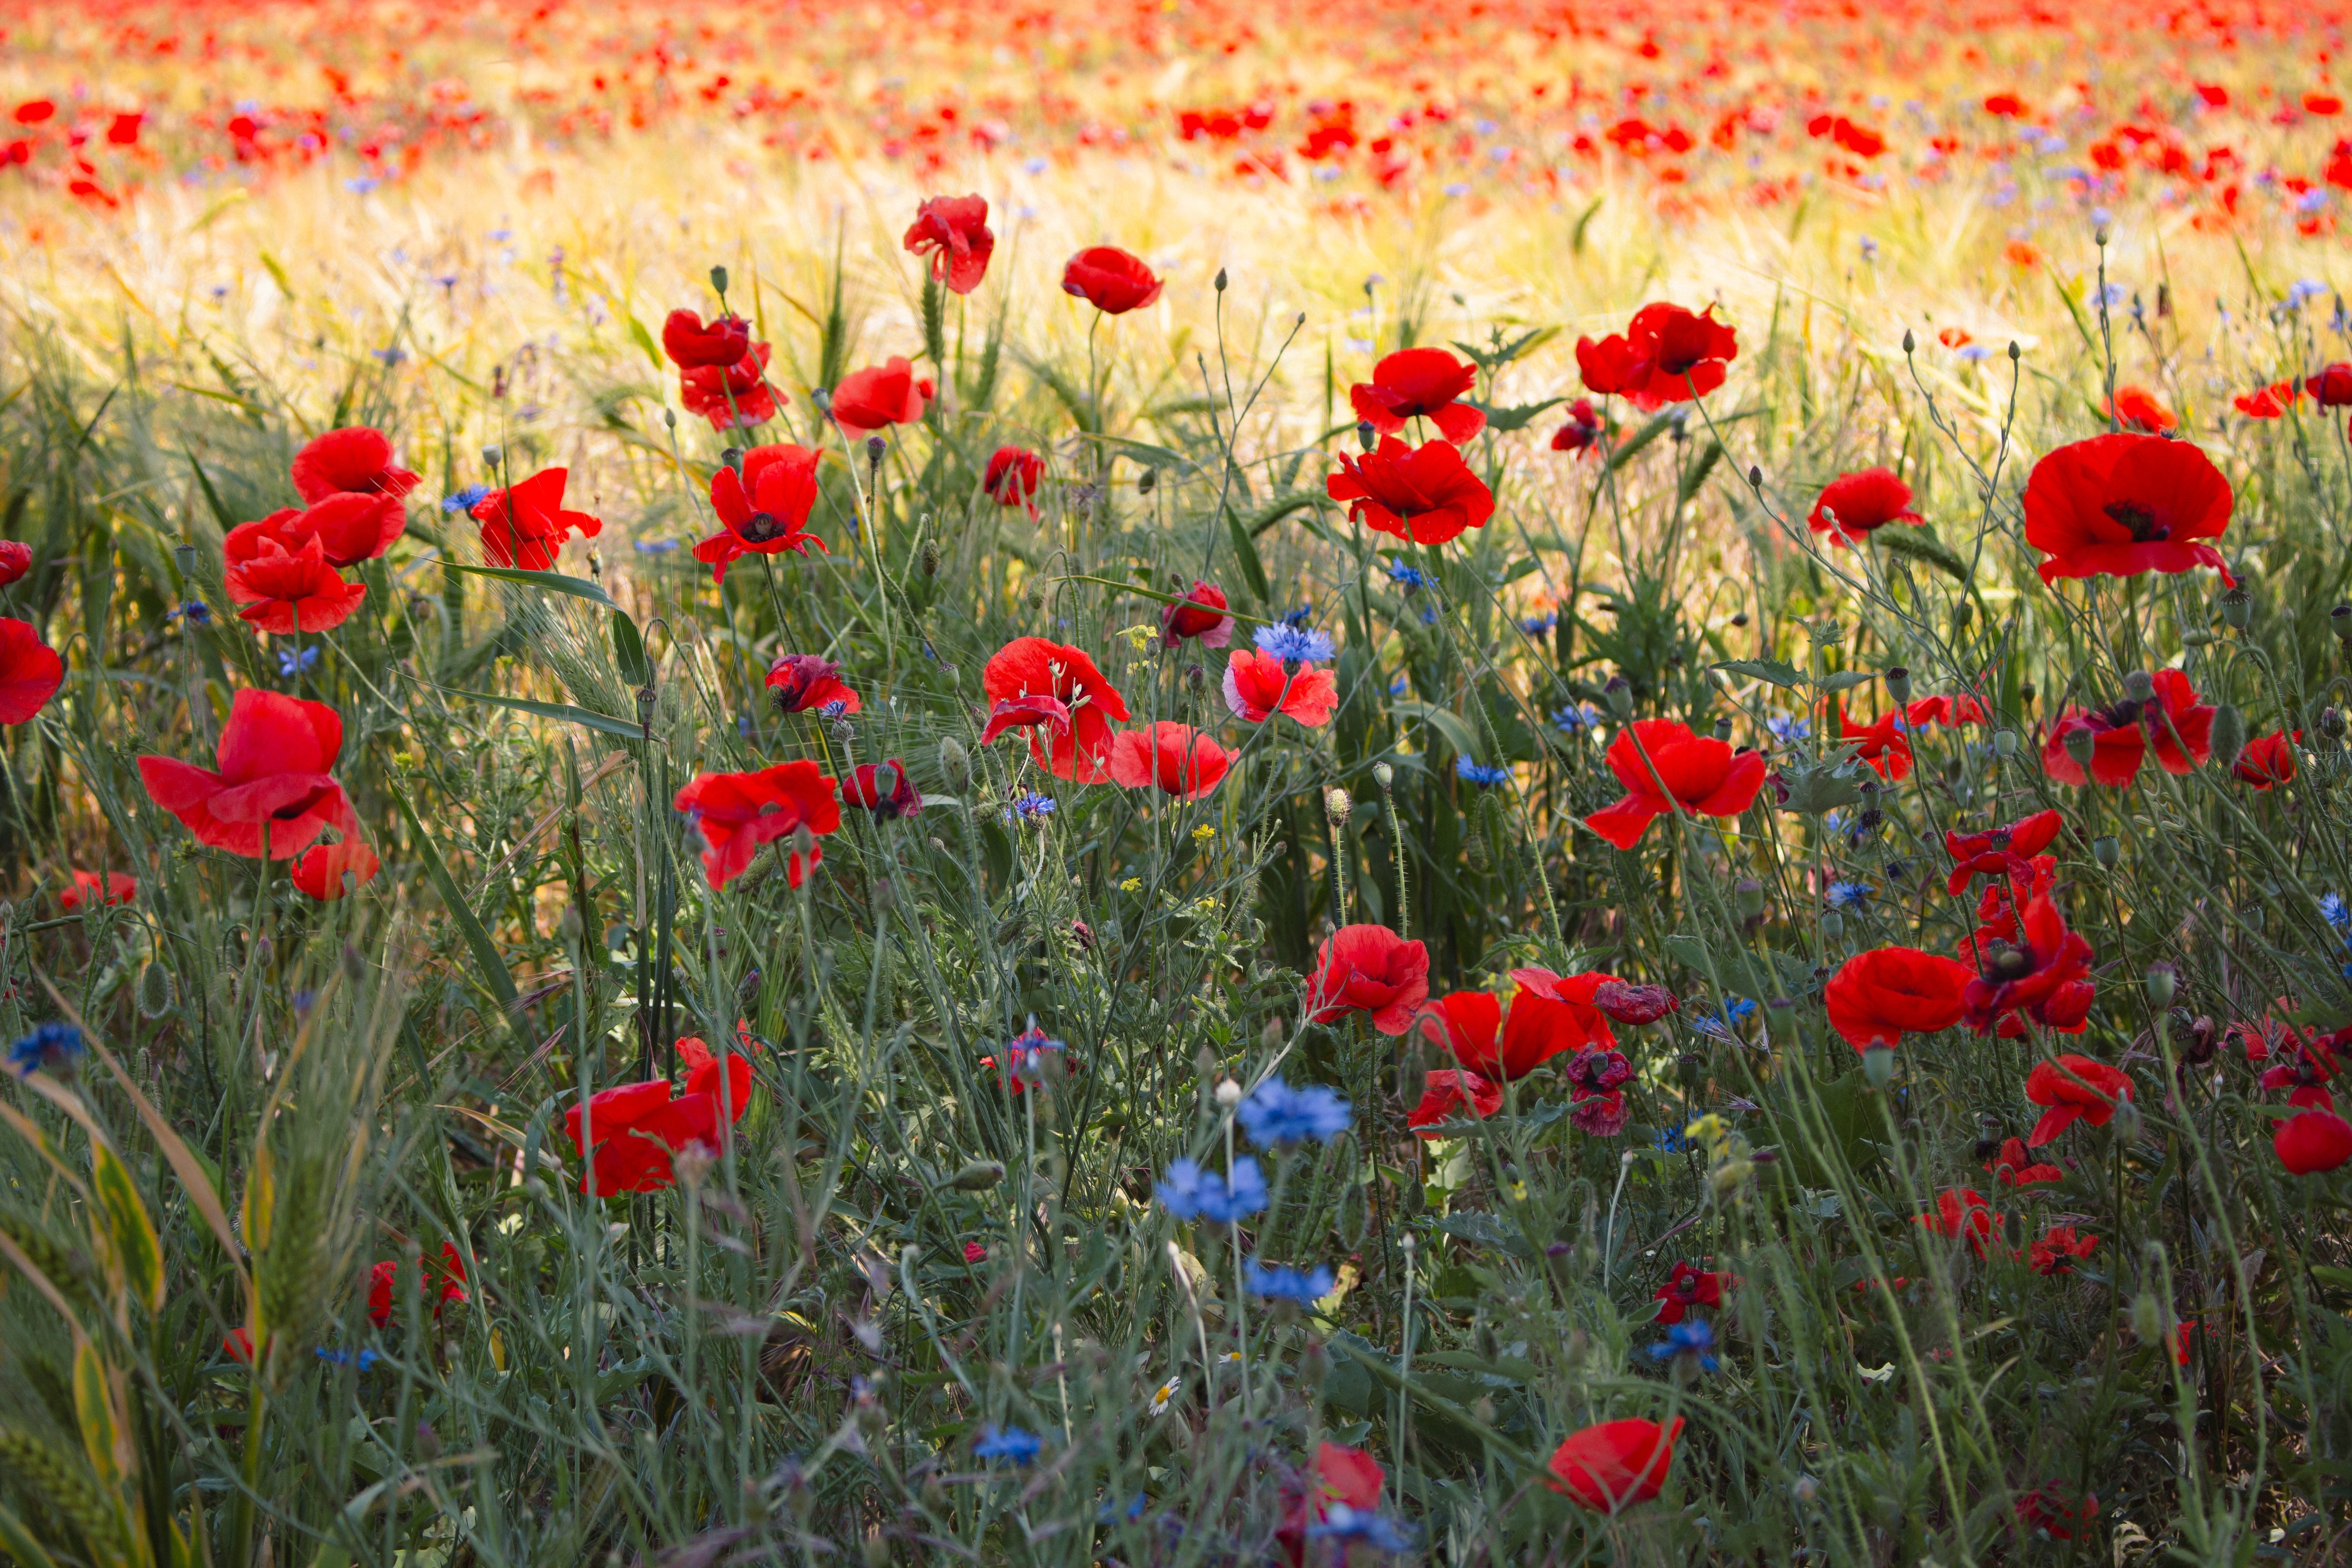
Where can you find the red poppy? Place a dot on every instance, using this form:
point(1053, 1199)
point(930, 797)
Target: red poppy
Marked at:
point(802, 681)
point(2073, 1087)
point(2172, 720)
point(2138, 408)
point(2317, 1057)
point(450, 1272)
point(953, 232)
point(1582, 433)
point(2331, 386)
point(2057, 1250)
point(1999, 851)
point(1698, 773)
point(2041, 978)
point(1028, 712)
point(1013, 478)
point(1855, 505)
point(2122, 504)
point(639, 1131)
point(1474, 1028)
point(321, 869)
point(526, 526)
point(704, 1075)
point(2013, 1167)
point(1624, 1003)
point(738, 812)
point(1616, 1464)
point(1453, 1093)
point(273, 755)
point(1371, 970)
point(1688, 1289)
point(1257, 687)
point(2268, 760)
point(1666, 355)
point(691, 346)
point(2270, 402)
point(1028, 667)
point(350, 526)
point(1426, 494)
point(1418, 383)
point(2310, 1143)
point(1883, 745)
point(1949, 712)
point(974, 1253)
point(1584, 1019)
point(731, 396)
point(1110, 279)
point(356, 459)
point(888, 394)
point(89, 890)
point(1961, 1212)
point(1201, 614)
point(15, 560)
point(284, 592)
point(1342, 1475)
point(33, 110)
point(765, 507)
point(1174, 758)
point(1877, 997)
point(30, 671)
point(238, 1345)
point(2049, 1509)
point(888, 798)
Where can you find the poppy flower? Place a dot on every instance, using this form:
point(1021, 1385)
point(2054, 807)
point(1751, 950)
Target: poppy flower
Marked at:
point(738, 812)
point(1175, 758)
point(1201, 614)
point(1426, 494)
point(1422, 383)
point(2121, 504)
point(1854, 506)
point(273, 754)
point(89, 890)
point(1666, 354)
point(1369, 969)
point(703, 1075)
point(2267, 761)
point(1883, 745)
point(319, 870)
point(2014, 1167)
point(2317, 1057)
point(350, 526)
point(639, 1131)
point(2138, 408)
point(953, 232)
point(1688, 1289)
point(1698, 773)
point(1624, 1003)
point(1616, 1464)
point(1344, 1478)
point(1999, 851)
point(1257, 687)
point(1452, 1094)
point(691, 346)
point(2179, 727)
point(2268, 402)
point(1961, 1212)
point(450, 1272)
point(30, 671)
point(356, 459)
point(1877, 997)
point(1949, 712)
point(2330, 387)
point(1032, 667)
point(2073, 1089)
point(2059, 1246)
point(765, 507)
point(238, 1345)
point(15, 560)
point(887, 394)
point(888, 798)
point(1027, 712)
point(1596, 1080)
point(2041, 978)
point(731, 396)
point(2050, 1509)
point(1013, 478)
point(1582, 433)
point(1474, 1028)
point(973, 1252)
point(1110, 279)
point(802, 681)
point(285, 593)
point(2310, 1143)
point(527, 524)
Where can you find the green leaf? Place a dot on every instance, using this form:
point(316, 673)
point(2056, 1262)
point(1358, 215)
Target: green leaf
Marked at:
point(629, 651)
point(547, 582)
point(26, 1549)
point(1518, 417)
point(627, 728)
point(1771, 669)
point(1921, 545)
point(221, 513)
point(1583, 222)
point(1639, 440)
point(128, 1227)
point(645, 340)
point(1847, 680)
point(1245, 552)
point(477, 941)
point(1277, 509)
point(1486, 1231)
point(1444, 720)
point(1817, 787)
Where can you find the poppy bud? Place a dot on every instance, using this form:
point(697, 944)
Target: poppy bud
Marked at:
point(1383, 775)
point(1747, 897)
point(1909, 343)
point(2139, 686)
point(930, 559)
point(2196, 637)
point(2106, 851)
point(2099, 236)
point(719, 280)
point(2004, 742)
point(1723, 728)
point(568, 924)
point(2237, 608)
point(1832, 925)
point(733, 457)
point(1195, 677)
point(1620, 692)
point(977, 1176)
point(669, 417)
point(2082, 745)
point(1270, 1036)
point(2025, 694)
point(955, 763)
point(1962, 614)
point(886, 897)
point(1221, 281)
point(1411, 1201)
point(1878, 1066)
point(1366, 437)
point(1035, 597)
point(2229, 736)
point(1337, 804)
point(2015, 354)
point(1898, 683)
point(803, 840)
point(490, 457)
point(1145, 480)
point(2161, 981)
point(1355, 1216)
point(1411, 1079)
point(2126, 1125)
point(156, 990)
point(2331, 723)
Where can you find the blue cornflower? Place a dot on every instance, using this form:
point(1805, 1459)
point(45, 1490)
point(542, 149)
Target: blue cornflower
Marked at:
point(1293, 645)
point(292, 662)
point(834, 709)
point(1721, 1024)
point(195, 611)
point(1479, 773)
point(1670, 1141)
point(1381, 1533)
point(1536, 625)
point(1189, 1192)
point(52, 1045)
point(359, 185)
point(366, 1359)
point(389, 356)
point(2304, 288)
point(1410, 578)
point(1111, 1513)
point(1577, 716)
point(1788, 728)
point(1276, 1113)
point(1429, 615)
point(1848, 894)
point(1692, 1337)
point(1007, 1443)
point(1030, 806)
point(303, 1002)
point(1299, 1285)
point(1974, 354)
point(1031, 1056)
point(1396, 687)
point(1298, 618)
point(466, 500)
point(653, 546)
point(2332, 910)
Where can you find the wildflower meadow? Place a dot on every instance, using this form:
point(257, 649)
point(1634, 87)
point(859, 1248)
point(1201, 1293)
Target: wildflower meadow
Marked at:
point(1174, 784)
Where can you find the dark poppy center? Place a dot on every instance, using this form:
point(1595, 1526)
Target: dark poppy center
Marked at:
point(2006, 964)
point(762, 527)
point(2140, 519)
point(295, 810)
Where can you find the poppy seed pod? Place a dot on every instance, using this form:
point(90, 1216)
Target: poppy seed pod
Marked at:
point(1878, 1066)
point(979, 1175)
point(803, 840)
point(1383, 775)
point(1962, 614)
point(2237, 608)
point(2106, 851)
point(874, 447)
point(2161, 984)
point(1723, 728)
point(2139, 686)
point(1832, 925)
point(1366, 437)
point(733, 457)
point(1747, 897)
point(2004, 742)
point(491, 457)
point(1145, 480)
point(719, 280)
point(2082, 744)
point(1620, 692)
point(2229, 736)
point(1898, 683)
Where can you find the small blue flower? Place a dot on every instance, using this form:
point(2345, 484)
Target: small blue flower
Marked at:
point(1692, 1337)
point(2307, 287)
point(466, 500)
point(1296, 619)
point(2333, 911)
point(1111, 1513)
point(365, 1359)
point(291, 663)
point(1030, 806)
point(1397, 686)
point(1479, 773)
point(1722, 1024)
point(1788, 728)
point(1276, 1113)
point(1536, 625)
point(195, 611)
point(1293, 645)
point(1848, 894)
point(1576, 717)
point(52, 1045)
point(1033, 1057)
point(653, 546)
point(1410, 578)
point(1429, 615)
point(362, 185)
point(1670, 1141)
point(388, 356)
point(1303, 1286)
point(1189, 1192)
point(1007, 1443)
point(834, 709)
point(1381, 1533)
point(743, 725)
point(1974, 354)
point(303, 1002)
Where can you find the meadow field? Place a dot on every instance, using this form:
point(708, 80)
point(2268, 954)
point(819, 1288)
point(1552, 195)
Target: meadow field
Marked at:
point(1174, 784)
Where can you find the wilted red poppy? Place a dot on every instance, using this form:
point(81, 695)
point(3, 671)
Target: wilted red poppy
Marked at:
point(30, 671)
point(1110, 279)
point(884, 789)
point(2073, 1087)
point(1201, 616)
point(802, 681)
point(1666, 355)
point(2173, 721)
point(1422, 383)
point(691, 346)
point(765, 507)
point(2059, 1246)
point(1961, 1212)
point(321, 869)
point(2014, 1167)
point(1950, 711)
point(1688, 1289)
point(1013, 477)
point(880, 396)
point(1855, 505)
point(1257, 687)
point(2138, 408)
point(89, 890)
point(2041, 977)
point(2005, 851)
point(2330, 386)
point(1176, 759)
point(15, 560)
point(1698, 773)
point(1582, 433)
point(953, 232)
point(1369, 969)
point(731, 396)
point(2121, 504)
point(285, 593)
point(1426, 494)
point(355, 459)
point(1877, 997)
point(1453, 1094)
point(526, 525)
point(350, 526)
point(738, 812)
point(1027, 666)
point(1624, 1003)
point(2268, 760)
point(1883, 745)
point(1616, 1464)
point(2311, 1141)
point(273, 755)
